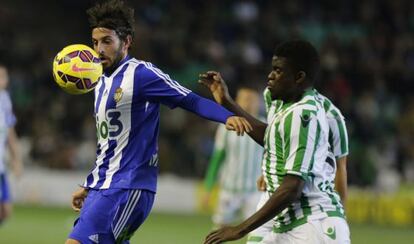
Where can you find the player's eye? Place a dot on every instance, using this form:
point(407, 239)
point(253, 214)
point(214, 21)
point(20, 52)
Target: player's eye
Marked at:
point(107, 41)
point(278, 71)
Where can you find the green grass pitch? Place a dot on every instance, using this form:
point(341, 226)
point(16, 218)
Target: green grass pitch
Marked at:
point(46, 225)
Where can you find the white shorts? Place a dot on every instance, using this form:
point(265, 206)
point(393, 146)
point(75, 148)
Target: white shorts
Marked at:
point(330, 230)
point(258, 234)
point(231, 205)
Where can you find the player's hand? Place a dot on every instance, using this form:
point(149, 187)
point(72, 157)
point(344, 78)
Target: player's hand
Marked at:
point(261, 183)
point(229, 233)
point(215, 83)
point(238, 124)
point(78, 197)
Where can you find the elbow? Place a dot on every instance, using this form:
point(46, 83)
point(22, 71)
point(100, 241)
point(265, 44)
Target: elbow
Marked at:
point(291, 188)
point(291, 195)
point(294, 194)
point(294, 189)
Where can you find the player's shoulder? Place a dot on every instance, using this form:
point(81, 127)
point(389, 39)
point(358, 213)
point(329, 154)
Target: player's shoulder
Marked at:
point(308, 102)
point(138, 63)
point(146, 69)
point(330, 108)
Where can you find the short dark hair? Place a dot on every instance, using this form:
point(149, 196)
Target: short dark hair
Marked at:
point(114, 15)
point(301, 56)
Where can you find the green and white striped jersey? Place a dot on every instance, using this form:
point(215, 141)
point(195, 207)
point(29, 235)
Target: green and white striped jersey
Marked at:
point(272, 106)
point(338, 135)
point(239, 160)
point(297, 142)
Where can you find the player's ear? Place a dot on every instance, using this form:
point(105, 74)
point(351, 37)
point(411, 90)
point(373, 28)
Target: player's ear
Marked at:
point(300, 77)
point(128, 41)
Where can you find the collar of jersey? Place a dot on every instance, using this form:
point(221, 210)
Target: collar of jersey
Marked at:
point(309, 92)
point(284, 107)
point(123, 61)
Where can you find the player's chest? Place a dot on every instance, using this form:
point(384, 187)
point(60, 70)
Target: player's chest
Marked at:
point(113, 95)
point(274, 133)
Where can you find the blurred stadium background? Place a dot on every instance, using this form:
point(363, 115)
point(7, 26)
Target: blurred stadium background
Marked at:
point(367, 54)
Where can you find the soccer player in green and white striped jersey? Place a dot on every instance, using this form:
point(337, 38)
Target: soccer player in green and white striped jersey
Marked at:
point(336, 163)
point(303, 203)
point(238, 161)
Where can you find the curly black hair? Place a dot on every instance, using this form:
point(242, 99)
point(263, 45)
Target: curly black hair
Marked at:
point(301, 56)
point(114, 15)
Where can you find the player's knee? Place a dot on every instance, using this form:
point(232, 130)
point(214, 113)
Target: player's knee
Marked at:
point(72, 241)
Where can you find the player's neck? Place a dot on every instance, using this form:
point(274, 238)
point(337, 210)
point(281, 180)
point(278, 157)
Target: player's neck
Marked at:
point(110, 70)
point(297, 96)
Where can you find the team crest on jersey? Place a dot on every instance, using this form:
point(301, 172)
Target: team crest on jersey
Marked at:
point(118, 94)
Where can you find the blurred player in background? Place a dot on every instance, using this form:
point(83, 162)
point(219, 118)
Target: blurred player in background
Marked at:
point(335, 167)
point(305, 207)
point(238, 161)
point(8, 138)
point(118, 194)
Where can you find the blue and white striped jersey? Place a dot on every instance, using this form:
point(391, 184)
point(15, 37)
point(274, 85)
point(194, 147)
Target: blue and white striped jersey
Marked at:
point(127, 119)
point(7, 120)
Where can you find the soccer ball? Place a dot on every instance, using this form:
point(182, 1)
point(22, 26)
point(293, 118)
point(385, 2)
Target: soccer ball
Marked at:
point(77, 68)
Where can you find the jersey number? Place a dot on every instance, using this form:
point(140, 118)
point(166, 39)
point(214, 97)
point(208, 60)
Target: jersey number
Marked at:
point(114, 128)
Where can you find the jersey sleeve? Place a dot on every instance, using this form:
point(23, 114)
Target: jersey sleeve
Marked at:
point(301, 131)
point(10, 117)
point(156, 86)
point(338, 134)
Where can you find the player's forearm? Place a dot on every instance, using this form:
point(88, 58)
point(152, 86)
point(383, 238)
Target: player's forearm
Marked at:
point(205, 108)
point(286, 194)
point(341, 179)
point(259, 127)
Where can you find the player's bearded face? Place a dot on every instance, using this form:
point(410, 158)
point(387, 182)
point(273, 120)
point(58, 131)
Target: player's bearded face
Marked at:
point(109, 46)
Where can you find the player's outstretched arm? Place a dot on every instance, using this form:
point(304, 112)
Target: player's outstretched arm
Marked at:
point(288, 192)
point(212, 111)
point(218, 88)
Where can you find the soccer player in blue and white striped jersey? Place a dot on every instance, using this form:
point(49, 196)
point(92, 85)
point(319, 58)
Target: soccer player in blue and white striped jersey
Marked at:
point(118, 194)
point(8, 138)
point(302, 203)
